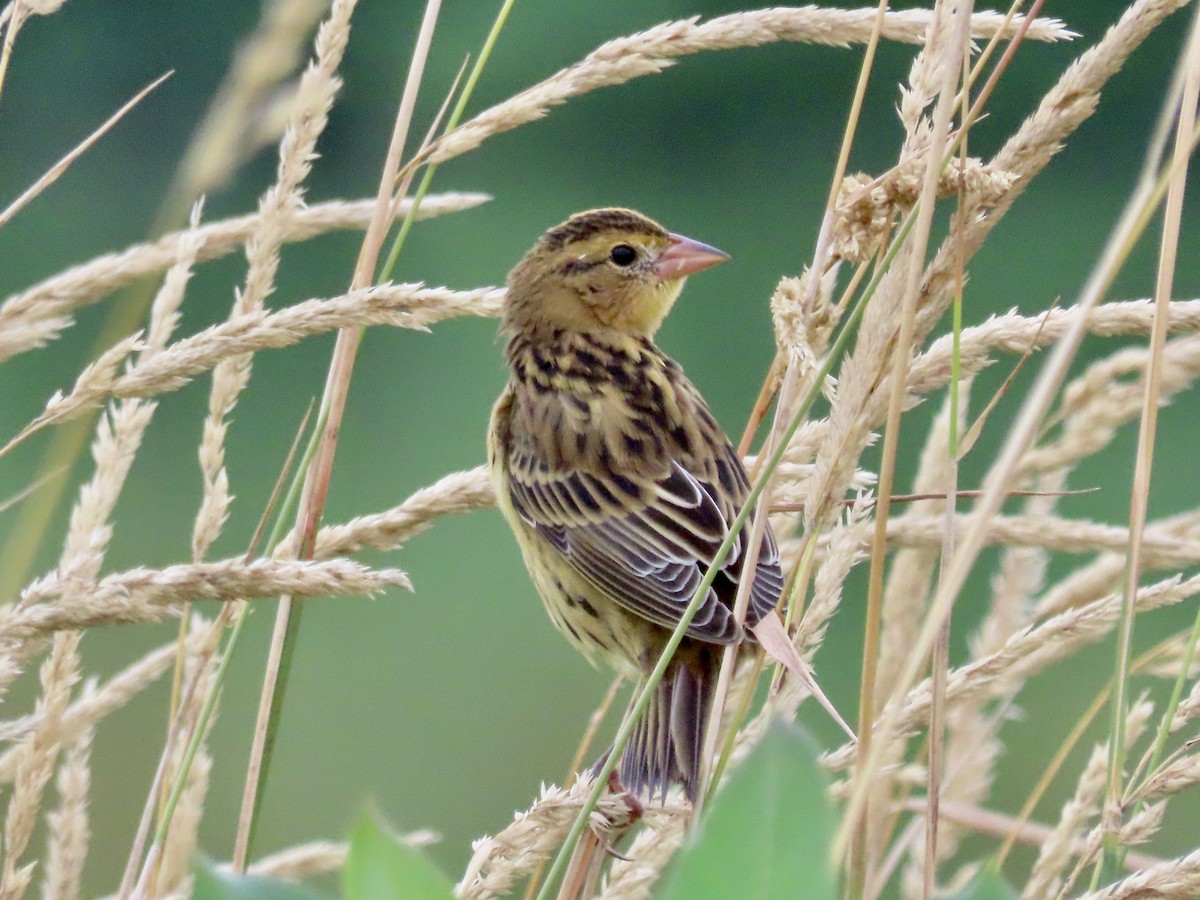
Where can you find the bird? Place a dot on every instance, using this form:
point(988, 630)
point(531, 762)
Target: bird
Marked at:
point(616, 479)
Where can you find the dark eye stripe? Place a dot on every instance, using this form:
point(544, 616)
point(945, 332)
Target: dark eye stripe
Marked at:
point(577, 266)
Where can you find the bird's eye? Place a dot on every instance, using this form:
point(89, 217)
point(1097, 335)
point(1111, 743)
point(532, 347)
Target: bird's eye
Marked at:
point(622, 255)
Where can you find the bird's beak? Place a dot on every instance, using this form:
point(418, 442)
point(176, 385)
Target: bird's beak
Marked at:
point(685, 256)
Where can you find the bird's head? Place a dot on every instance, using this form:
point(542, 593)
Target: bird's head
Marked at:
point(603, 269)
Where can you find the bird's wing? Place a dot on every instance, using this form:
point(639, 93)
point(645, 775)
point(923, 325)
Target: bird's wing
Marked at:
point(647, 542)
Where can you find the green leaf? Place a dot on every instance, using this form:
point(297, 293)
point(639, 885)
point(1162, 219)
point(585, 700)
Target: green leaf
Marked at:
point(987, 885)
point(379, 867)
point(213, 885)
point(768, 832)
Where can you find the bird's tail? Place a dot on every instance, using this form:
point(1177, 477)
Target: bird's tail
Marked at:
point(667, 743)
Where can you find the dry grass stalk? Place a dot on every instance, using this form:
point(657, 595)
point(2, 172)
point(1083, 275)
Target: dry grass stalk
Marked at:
point(997, 824)
point(845, 549)
point(164, 309)
point(20, 11)
point(1137, 830)
point(319, 857)
point(453, 493)
point(1173, 776)
point(1098, 403)
point(196, 660)
point(1188, 709)
point(969, 748)
point(905, 595)
point(13, 16)
point(1164, 550)
point(1064, 842)
point(314, 98)
point(174, 877)
point(35, 316)
point(300, 862)
point(35, 764)
point(1175, 878)
point(497, 862)
point(168, 867)
point(401, 306)
point(1085, 81)
point(1028, 627)
point(913, 568)
point(92, 706)
point(1021, 576)
point(233, 127)
point(69, 829)
point(56, 171)
point(1031, 651)
point(117, 440)
point(148, 595)
point(867, 207)
point(1018, 334)
point(1060, 846)
point(651, 51)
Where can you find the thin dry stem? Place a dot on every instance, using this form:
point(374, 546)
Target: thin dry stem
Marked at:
point(316, 478)
point(56, 171)
point(1139, 497)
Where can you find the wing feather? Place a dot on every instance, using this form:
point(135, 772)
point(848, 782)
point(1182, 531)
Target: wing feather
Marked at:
point(647, 547)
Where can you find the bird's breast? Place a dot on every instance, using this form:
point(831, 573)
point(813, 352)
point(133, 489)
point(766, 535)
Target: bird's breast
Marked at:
point(592, 402)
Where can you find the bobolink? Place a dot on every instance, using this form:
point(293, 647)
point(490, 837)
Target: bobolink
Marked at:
point(616, 479)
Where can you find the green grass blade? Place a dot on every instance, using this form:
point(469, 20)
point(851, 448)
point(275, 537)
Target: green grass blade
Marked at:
point(380, 866)
point(768, 831)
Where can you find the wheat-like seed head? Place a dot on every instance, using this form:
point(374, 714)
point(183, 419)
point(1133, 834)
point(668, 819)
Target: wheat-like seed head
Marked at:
point(1031, 616)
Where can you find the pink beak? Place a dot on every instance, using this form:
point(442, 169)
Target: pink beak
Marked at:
point(686, 256)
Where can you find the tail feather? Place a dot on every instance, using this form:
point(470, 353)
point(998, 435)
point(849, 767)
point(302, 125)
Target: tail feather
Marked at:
point(648, 760)
point(689, 715)
point(666, 745)
point(664, 751)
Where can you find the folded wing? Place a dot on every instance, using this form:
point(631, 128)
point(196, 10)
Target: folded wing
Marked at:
point(647, 541)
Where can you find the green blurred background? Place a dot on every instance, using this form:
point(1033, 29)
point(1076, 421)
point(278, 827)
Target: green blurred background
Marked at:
point(449, 707)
